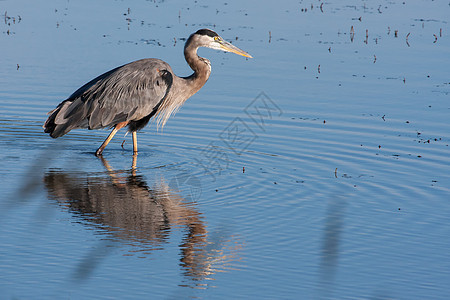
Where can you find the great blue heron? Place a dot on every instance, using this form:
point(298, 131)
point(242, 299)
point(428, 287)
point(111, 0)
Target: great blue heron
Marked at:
point(130, 95)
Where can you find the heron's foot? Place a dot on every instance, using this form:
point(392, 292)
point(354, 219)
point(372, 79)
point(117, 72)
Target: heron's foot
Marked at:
point(99, 152)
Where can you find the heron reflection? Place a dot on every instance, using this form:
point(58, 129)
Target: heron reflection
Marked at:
point(122, 205)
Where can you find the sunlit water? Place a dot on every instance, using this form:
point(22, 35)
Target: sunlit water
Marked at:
point(318, 169)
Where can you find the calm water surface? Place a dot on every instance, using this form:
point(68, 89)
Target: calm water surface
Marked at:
point(320, 169)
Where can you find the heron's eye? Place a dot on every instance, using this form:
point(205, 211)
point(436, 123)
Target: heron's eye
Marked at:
point(216, 38)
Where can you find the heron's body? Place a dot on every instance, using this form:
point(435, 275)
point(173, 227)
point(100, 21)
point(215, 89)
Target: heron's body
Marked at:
point(132, 94)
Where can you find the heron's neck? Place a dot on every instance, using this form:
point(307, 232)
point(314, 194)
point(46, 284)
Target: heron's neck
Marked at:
point(201, 68)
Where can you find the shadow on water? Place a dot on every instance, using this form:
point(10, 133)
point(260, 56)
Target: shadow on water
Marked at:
point(124, 208)
point(332, 236)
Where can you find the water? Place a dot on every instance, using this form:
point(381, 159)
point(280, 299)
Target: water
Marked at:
point(317, 170)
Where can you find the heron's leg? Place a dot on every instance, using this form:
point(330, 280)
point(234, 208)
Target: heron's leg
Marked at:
point(135, 151)
point(106, 142)
point(109, 138)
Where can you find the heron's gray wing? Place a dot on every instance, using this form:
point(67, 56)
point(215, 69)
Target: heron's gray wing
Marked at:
point(127, 93)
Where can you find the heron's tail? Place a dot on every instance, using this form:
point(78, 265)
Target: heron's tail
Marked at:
point(68, 115)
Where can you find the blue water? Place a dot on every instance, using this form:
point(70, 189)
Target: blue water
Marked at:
point(319, 169)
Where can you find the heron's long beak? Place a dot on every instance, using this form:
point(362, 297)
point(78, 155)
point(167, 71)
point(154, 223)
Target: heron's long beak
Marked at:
point(230, 48)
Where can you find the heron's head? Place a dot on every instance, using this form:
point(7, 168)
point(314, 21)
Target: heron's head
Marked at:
point(210, 39)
